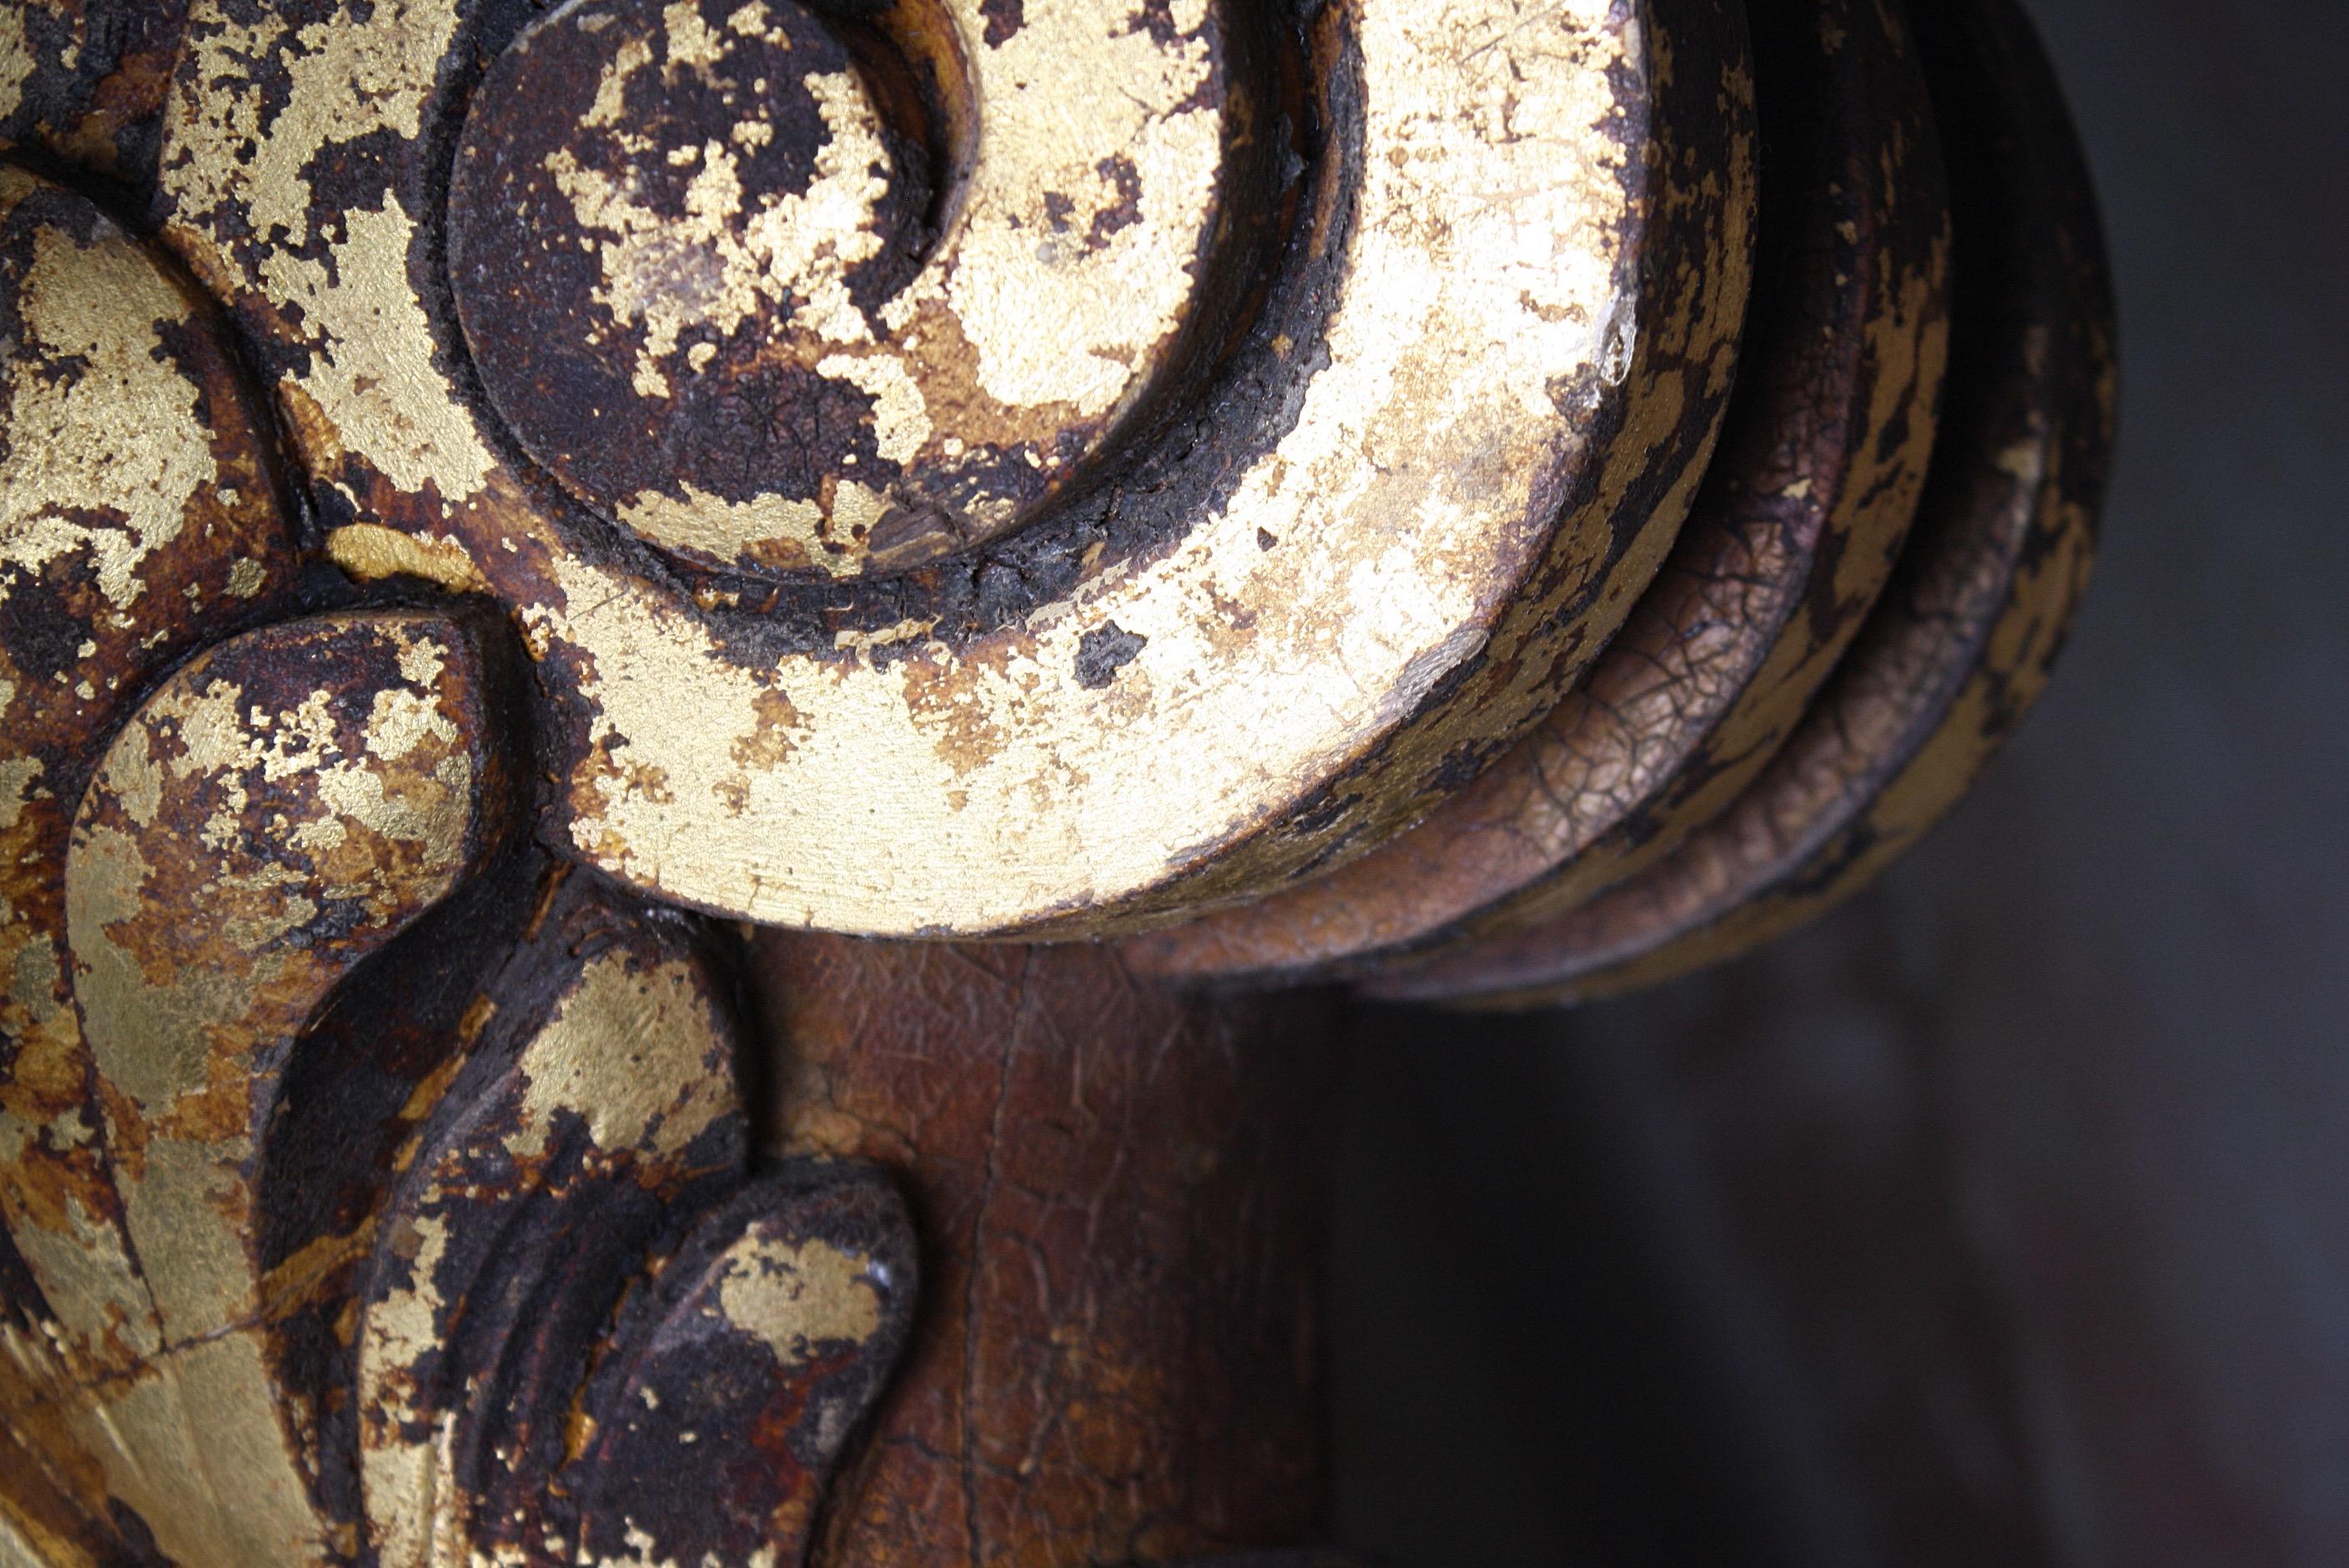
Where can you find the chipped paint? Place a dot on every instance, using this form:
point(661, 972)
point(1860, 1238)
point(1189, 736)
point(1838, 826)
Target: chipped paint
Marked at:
point(1485, 214)
point(793, 1298)
point(15, 59)
point(372, 552)
point(244, 804)
point(1964, 640)
point(717, 267)
point(373, 344)
point(595, 1115)
point(754, 226)
point(1487, 235)
point(97, 305)
point(1446, 464)
point(1793, 535)
point(256, 105)
point(615, 1053)
point(117, 556)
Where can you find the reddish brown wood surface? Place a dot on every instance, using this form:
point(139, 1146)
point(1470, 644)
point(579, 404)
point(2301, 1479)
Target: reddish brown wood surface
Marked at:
point(1117, 1190)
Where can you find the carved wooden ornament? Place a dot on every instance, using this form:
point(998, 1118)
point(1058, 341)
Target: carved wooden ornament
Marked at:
point(528, 530)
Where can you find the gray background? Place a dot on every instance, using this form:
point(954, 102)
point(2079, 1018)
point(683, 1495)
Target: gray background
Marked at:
point(2004, 1218)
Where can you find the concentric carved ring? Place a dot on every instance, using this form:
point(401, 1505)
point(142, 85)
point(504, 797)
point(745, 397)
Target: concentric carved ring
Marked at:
point(897, 429)
point(698, 257)
point(1791, 537)
point(1968, 629)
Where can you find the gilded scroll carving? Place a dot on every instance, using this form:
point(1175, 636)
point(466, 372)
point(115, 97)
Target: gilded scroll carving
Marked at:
point(1791, 538)
point(490, 492)
point(1430, 234)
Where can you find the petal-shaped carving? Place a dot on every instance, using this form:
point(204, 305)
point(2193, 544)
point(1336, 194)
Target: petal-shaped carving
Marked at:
point(761, 1343)
point(598, 1117)
point(138, 517)
point(276, 813)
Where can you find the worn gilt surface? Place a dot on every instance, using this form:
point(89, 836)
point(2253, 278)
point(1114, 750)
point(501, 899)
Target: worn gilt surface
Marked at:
point(1972, 626)
point(530, 531)
point(1793, 536)
point(1451, 352)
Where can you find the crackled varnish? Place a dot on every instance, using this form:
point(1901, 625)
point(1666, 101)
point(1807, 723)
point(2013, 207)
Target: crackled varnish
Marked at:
point(1792, 535)
point(659, 660)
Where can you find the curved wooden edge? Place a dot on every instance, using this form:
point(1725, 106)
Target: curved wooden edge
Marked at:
point(1793, 535)
point(1965, 640)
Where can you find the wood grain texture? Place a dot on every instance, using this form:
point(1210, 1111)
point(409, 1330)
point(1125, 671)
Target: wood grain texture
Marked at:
point(1116, 1188)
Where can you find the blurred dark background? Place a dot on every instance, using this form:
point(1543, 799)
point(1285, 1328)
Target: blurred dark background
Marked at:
point(2004, 1218)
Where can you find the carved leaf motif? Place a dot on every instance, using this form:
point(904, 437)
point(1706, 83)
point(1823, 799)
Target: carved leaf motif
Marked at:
point(592, 1128)
point(277, 813)
point(118, 556)
point(280, 812)
point(748, 1360)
